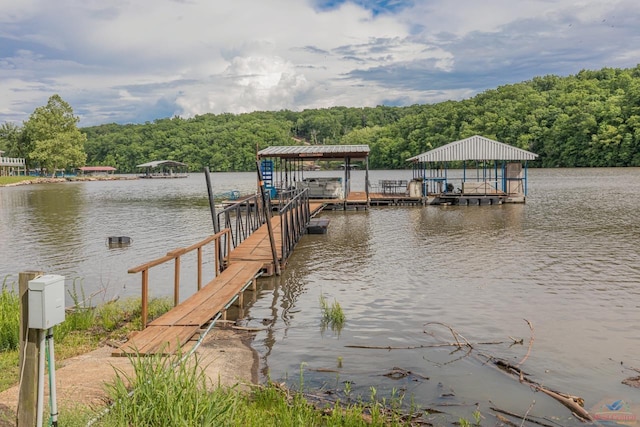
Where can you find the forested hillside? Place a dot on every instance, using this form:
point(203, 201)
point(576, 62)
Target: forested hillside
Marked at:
point(589, 119)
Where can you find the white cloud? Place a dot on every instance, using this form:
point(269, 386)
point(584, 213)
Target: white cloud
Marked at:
point(122, 61)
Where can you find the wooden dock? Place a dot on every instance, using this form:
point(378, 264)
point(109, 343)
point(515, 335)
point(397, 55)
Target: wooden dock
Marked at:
point(244, 265)
point(357, 200)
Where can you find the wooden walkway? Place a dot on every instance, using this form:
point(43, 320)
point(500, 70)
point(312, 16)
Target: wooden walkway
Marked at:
point(357, 200)
point(178, 326)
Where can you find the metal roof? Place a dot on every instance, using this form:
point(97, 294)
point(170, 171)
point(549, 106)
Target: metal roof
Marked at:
point(474, 148)
point(157, 163)
point(97, 168)
point(316, 151)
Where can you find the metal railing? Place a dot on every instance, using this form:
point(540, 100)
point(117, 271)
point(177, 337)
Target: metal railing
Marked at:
point(222, 242)
point(242, 218)
point(294, 218)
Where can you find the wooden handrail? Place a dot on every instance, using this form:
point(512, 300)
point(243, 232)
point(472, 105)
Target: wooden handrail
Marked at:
point(175, 256)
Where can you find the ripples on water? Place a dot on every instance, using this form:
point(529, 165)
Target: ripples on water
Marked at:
point(63, 229)
point(567, 261)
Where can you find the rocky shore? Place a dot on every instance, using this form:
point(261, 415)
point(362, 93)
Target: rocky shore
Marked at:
point(70, 179)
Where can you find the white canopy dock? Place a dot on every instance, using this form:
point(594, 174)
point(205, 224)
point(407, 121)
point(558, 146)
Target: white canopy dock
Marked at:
point(164, 169)
point(492, 172)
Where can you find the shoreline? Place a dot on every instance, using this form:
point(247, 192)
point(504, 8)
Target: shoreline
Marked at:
point(227, 356)
point(69, 179)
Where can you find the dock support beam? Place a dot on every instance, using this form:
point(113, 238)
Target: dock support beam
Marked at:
point(267, 213)
point(29, 351)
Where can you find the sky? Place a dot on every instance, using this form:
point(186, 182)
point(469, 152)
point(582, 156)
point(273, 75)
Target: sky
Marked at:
point(133, 61)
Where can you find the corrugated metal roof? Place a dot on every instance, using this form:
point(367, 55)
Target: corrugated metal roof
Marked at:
point(97, 168)
point(315, 151)
point(474, 148)
point(157, 163)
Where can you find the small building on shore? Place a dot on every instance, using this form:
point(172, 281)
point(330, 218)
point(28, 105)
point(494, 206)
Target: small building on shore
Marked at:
point(492, 172)
point(12, 166)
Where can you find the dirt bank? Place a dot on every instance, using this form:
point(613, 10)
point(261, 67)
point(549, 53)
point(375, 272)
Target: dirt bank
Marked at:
point(225, 353)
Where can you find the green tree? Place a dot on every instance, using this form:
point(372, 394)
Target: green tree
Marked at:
point(53, 137)
point(11, 140)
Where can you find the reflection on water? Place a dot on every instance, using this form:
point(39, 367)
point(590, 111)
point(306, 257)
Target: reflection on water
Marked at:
point(63, 229)
point(567, 261)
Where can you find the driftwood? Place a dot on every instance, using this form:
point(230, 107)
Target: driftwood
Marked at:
point(574, 403)
point(323, 370)
point(505, 421)
point(522, 417)
point(632, 382)
point(533, 336)
point(399, 373)
point(455, 333)
point(413, 347)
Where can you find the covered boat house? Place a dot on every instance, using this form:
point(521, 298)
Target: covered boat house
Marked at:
point(491, 172)
point(283, 168)
point(96, 170)
point(164, 169)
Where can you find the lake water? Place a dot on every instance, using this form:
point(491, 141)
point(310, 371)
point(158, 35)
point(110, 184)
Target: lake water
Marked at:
point(567, 261)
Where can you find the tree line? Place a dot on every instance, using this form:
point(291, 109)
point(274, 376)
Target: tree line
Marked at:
point(591, 119)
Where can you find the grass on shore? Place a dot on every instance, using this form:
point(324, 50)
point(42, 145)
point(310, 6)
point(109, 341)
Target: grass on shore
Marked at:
point(167, 390)
point(84, 329)
point(5, 180)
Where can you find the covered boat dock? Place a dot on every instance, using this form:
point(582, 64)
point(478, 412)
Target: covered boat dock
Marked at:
point(492, 173)
point(283, 169)
point(164, 169)
point(96, 170)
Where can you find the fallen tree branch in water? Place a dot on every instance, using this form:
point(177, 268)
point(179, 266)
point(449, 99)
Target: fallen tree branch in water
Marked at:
point(505, 421)
point(533, 337)
point(526, 414)
point(521, 417)
point(632, 382)
point(397, 373)
point(455, 333)
point(573, 403)
point(413, 347)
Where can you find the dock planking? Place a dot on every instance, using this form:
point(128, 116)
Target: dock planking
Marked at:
point(178, 326)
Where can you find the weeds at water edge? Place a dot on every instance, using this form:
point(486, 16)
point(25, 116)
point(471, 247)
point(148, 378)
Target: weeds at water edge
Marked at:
point(332, 315)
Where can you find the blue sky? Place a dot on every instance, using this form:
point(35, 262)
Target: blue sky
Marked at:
point(127, 61)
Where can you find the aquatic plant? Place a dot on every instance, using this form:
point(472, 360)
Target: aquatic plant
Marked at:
point(332, 315)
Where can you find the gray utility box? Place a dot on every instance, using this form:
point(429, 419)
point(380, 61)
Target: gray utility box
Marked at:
point(46, 301)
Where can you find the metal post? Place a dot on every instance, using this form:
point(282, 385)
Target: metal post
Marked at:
point(366, 179)
point(52, 380)
point(267, 213)
point(212, 206)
